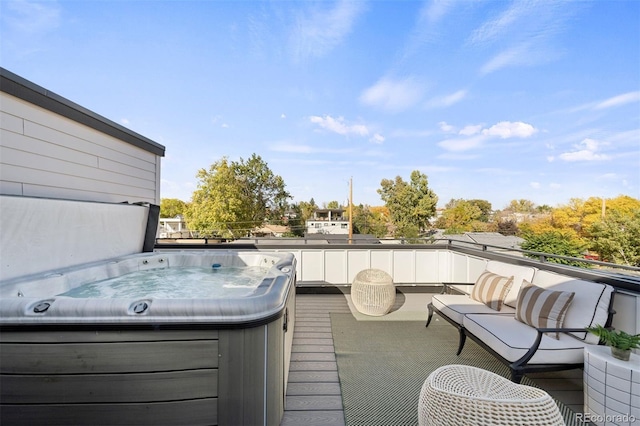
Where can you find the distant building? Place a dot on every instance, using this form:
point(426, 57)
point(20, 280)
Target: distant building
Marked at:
point(268, 230)
point(328, 221)
point(173, 227)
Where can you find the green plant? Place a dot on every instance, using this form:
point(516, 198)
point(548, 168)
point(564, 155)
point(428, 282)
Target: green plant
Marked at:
point(616, 339)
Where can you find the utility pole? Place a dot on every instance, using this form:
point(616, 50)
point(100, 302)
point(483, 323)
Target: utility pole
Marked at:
point(351, 210)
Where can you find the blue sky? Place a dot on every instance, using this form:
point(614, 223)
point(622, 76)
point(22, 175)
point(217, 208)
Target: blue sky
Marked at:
point(492, 100)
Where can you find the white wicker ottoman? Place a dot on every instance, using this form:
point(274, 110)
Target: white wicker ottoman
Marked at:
point(373, 292)
point(460, 395)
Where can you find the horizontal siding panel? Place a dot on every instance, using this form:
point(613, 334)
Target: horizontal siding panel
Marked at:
point(11, 122)
point(130, 357)
point(12, 173)
point(125, 169)
point(30, 160)
point(73, 194)
point(132, 156)
point(107, 336)
point(43, 148)
point(47, 119)
point(194, 413)
point(109, 388)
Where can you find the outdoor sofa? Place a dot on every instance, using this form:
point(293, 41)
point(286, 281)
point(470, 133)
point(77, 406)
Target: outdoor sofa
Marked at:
point(530, 319)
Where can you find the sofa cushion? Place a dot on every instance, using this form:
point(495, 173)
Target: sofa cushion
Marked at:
point(456, 306)
point(542, 308)
point(590, 305)
point(519, 274)
point(491, 289)
point(511, 339)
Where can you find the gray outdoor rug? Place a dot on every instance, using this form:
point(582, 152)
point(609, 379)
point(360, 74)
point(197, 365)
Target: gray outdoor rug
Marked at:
point(382, 366)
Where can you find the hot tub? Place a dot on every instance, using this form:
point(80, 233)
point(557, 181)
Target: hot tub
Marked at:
point(219, 360)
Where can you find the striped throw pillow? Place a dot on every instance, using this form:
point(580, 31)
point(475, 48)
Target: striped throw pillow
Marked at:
point(542, 308)
point(491, 289)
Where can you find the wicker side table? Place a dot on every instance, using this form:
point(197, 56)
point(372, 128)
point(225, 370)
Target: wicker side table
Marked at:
point(373, 292)
point(461, 395)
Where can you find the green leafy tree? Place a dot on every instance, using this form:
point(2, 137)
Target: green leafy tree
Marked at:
point(234, 197)
point(616, 238)
point(459, 216)
point(333, 205)
point(307, 208)
point(521, 206)
point(554, 242)
point(172, 207)
point(264, 189)
point(297, 224)
point(485, 209)
point(410, 204)
point(368, 221)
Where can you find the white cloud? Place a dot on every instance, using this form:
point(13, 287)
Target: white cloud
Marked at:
point(528, 27)
point(124, 121)
point(283, 115)
point(517, 55)
point(535, 185)
point(622, 99)
point(476, 136)
point(318, 32)
point(614, 101)
point(509, 129)
point(377, 139)
point(448, 100)
point(585, 151)
point(445, 127)
point(470, 130)
point(393, 95)
point(436, 10)
point(338, 125)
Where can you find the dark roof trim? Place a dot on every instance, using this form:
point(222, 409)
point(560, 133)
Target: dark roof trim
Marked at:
point(24, 89)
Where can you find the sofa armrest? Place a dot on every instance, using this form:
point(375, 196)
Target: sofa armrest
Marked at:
point(536, 344)
point(448, 287)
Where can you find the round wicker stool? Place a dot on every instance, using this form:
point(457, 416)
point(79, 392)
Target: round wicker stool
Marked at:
point(460, 395)
point(373, 292)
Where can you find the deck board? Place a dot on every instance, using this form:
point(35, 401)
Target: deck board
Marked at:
point(313, 393)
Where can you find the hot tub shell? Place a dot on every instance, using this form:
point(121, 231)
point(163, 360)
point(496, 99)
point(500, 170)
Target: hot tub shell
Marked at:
point(145, 361)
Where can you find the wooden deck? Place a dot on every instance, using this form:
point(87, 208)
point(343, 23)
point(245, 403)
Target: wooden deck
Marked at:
point(313, 392)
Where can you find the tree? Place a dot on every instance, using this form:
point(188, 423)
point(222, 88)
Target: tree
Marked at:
point(459, 216)
point(485, 209)
point(307, 208)
point(234, 197)
point(172, 207)
point(616, 238)
point(369, 220)
point(554, 242)
point(333, 205)
point(521, 206)
point(410, 204)
point(265, 190)
point(508, 227)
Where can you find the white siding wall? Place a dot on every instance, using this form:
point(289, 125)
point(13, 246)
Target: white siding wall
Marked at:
point(43, 154)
